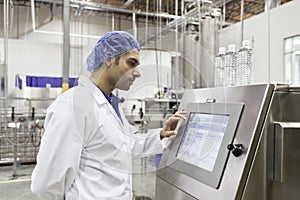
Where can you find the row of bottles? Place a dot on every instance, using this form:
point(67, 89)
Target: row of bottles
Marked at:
point(234, 67)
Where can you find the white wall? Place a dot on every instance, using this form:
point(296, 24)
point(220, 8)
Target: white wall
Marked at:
point(267, 45)
point(29, 57)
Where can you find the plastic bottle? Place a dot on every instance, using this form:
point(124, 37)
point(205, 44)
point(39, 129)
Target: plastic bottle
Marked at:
point(219, 67)
point(230, 63)
point(245, 63)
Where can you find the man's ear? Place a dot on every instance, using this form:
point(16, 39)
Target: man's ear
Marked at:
point(108, 62)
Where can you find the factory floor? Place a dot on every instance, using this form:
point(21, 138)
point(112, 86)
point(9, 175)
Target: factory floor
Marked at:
point(18, 187)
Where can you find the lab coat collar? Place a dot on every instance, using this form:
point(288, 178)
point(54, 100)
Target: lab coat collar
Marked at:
point(92, 89)
point(97, 95)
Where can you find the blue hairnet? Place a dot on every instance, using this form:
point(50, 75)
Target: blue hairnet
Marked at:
point(110, 45)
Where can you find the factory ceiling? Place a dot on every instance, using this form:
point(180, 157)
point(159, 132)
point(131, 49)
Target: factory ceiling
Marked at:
point(231, 9)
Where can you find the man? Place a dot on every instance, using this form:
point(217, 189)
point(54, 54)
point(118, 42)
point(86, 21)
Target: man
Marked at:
point(88, 145)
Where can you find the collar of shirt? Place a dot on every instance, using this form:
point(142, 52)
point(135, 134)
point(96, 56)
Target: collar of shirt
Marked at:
point(114, 101)
point(108, 98)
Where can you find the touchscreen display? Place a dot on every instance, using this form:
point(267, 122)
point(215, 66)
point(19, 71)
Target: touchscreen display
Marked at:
point(202, 139)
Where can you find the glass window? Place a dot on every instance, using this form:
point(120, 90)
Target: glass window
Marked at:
point(296, 43)
point(288, 45)
point(288, 68)
point(292, 60)
point(297, 67)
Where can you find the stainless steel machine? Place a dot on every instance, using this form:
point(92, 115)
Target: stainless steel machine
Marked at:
point(238, 142)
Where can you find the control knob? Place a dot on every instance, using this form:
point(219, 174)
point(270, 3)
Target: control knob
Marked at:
point(236, 149)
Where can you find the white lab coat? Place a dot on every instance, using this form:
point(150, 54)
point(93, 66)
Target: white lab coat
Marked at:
point(86, 151)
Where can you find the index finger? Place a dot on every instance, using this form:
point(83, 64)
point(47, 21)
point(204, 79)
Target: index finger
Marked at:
point(180, 114)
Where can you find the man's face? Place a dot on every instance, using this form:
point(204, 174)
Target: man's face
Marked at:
point(125, 69)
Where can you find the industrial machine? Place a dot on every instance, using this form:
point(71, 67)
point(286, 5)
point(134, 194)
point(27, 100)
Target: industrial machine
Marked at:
point(238, 142)
point(21, 130)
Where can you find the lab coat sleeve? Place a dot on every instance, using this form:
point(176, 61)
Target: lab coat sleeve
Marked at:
point(59, 155)
point(145, 144)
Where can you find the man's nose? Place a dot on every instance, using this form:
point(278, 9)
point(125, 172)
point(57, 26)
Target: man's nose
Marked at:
point(136, 73)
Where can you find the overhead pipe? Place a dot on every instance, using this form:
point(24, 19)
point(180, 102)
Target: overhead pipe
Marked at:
point(5, 60)
point(33, 15)
point(105, 7)
point(146, 25)
point(32, 4)
point(175, 82)
point(179, 21)
point(190, 14)
point(89, 6)
point(181, 62)
point(196, 76)
point(112, 21)
point(11, 16)
point(176, 86)
point(66, 45)
point(127, 3)
point(224, 12)
point(134, 23)
point(242, 22)
point(270, 4)
point(158, 44)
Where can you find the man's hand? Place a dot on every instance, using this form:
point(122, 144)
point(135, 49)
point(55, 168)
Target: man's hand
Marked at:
point(171, 123)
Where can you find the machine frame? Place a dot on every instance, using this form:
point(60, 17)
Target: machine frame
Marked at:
point(213, 177)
